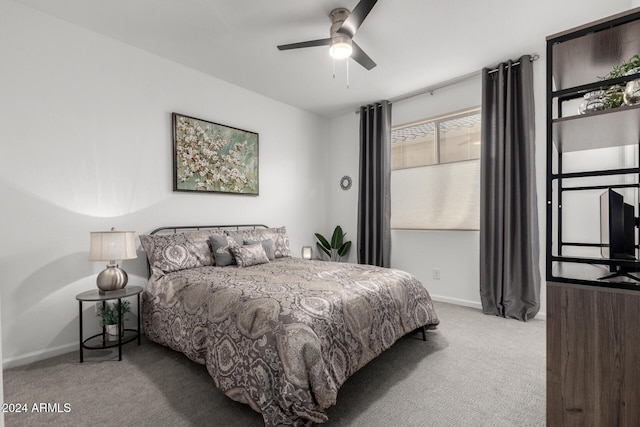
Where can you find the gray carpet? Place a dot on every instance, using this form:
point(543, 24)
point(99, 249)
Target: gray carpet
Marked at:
point(474, 370)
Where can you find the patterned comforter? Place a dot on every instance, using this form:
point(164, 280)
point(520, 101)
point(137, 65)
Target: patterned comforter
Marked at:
point(283, 337)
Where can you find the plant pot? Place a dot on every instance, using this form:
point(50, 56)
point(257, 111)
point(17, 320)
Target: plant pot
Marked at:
point(112, 332)
point(631, 94)
point(593, 101)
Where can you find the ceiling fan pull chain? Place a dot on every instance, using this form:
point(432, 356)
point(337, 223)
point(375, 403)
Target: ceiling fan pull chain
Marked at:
point(334, 68)
point(347, 60)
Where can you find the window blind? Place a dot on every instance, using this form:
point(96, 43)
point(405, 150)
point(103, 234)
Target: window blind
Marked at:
point(437, 197)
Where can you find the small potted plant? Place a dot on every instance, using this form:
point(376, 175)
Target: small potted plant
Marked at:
point(335, 249)
point(627, 94)
point(109, 318)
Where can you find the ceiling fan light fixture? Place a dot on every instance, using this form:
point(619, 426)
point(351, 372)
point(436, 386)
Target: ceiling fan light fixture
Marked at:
point(340, 50)
point(340, 43)
point(344, 25)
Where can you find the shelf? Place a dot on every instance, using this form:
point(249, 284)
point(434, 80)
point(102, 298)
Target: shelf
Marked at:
point(579, 60)
point(95, 295)
point(574, 92)
point(635, 264)
point(598, 173)
point(616, 127)
point(96, 342)
point(589, 274)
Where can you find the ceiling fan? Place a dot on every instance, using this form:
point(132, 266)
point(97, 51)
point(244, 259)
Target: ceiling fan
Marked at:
point(344, 25)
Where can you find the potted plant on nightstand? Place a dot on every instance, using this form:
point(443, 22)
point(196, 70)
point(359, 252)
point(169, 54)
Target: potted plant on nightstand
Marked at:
point(335, 249)
point(109, 318)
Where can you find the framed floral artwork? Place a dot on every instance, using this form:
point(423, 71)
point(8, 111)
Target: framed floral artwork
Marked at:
point(210, 157)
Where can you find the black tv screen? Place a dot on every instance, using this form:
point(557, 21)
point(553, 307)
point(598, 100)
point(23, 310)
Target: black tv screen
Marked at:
point(617, 227)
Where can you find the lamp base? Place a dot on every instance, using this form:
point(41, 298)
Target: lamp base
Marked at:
point(111, 279)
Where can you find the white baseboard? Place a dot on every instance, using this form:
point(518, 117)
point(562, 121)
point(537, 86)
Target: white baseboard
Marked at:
point(474, 304)
point(25, 359)
point(457, 301)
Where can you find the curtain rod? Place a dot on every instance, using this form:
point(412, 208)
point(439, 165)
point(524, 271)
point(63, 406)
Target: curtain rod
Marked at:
point(449, 82)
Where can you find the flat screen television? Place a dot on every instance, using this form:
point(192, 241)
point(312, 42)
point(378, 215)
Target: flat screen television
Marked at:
point(617, 232)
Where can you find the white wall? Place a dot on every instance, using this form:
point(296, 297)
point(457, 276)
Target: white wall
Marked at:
point(343, 152)
point(86, 145)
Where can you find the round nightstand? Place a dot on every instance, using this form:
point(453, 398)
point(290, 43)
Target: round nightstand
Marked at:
point(99, 341)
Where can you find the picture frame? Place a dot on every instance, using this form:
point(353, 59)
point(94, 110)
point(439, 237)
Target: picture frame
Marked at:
point(209, 157)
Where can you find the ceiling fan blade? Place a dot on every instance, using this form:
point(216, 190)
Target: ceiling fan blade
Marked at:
point(356, 17)
point(310, 43)
point(360, 57)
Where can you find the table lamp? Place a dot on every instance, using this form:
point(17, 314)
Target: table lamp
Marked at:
point(112, 246)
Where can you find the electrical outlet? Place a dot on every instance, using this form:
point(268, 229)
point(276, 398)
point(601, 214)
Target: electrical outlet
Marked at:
point(436, 273)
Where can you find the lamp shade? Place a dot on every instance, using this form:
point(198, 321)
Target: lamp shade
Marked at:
point(112, 246)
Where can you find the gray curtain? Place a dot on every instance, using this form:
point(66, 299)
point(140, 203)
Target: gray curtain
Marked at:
point(374, 196)
point(509, 242)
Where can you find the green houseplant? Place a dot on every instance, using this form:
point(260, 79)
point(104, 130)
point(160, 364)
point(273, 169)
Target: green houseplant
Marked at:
point(109, 317)
point(613, 96)
point(337, 247)
point(624, 68)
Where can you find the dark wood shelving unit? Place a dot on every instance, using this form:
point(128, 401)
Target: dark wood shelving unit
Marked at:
point(593, 322)
point(575, 61)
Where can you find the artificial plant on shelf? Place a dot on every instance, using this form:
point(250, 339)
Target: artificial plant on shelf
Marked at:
point(109, 313)
point(613, 96)
point(337, 247)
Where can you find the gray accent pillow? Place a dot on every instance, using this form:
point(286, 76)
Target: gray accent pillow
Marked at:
point(220, 247)
point(277, 235)
point(173, 252)
point(267, 245)
point(248, 255)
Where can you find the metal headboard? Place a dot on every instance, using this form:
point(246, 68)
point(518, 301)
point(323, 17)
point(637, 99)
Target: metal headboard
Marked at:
point(182, 228)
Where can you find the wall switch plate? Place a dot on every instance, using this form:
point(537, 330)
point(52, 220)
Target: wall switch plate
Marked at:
point(436, 273)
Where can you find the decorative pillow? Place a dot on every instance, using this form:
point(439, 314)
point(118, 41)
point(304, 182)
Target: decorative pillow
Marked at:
point(179, 251)
point(248, 255)
point(220, 246)
point(277, 235)
point(267, 245)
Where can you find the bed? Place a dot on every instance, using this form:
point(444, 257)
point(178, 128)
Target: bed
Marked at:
point(276, 332)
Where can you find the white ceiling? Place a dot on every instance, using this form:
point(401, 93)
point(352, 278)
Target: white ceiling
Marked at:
point(416, 43)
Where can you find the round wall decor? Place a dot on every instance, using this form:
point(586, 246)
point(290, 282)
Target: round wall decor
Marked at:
point(345, 182)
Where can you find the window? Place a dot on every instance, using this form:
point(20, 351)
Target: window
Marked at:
point(435, 179)
point(417, 144)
